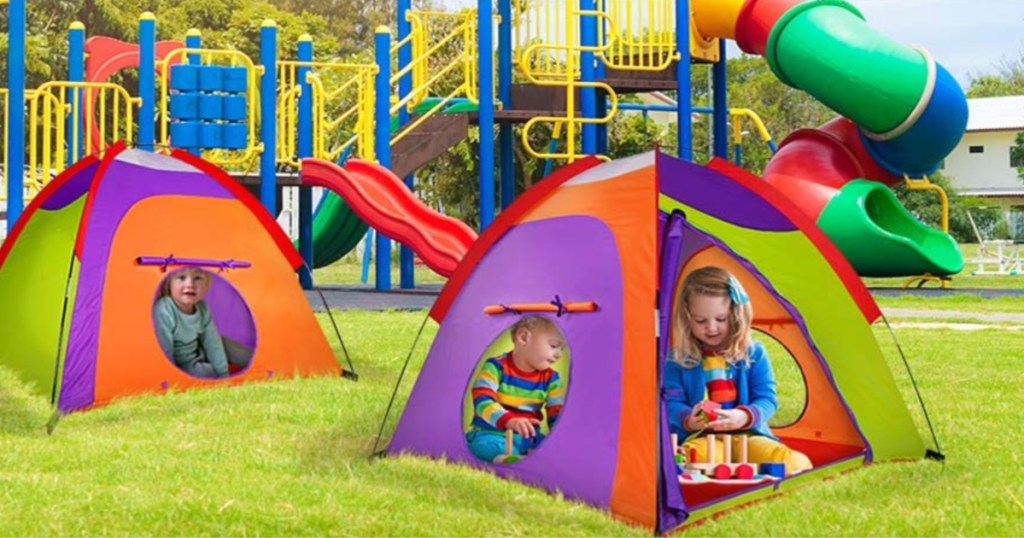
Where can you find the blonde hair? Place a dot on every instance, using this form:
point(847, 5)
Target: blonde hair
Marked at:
point(165, 284)
point(532, 323)
point(711, 281)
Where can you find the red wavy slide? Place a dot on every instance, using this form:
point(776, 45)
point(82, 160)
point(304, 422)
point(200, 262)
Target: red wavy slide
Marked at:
point(380, 198)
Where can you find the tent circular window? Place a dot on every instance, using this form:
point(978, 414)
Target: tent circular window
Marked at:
point(517, 391)
point(202, 324)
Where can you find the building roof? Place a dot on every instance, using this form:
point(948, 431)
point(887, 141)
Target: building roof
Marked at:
point(996, 114)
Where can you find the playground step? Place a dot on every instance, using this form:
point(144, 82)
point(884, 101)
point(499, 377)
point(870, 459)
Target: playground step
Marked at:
point(430, 139)
point(632, 76)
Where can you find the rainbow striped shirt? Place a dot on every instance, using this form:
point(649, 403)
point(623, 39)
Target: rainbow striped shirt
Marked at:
point(502, 392)
point(717, 376)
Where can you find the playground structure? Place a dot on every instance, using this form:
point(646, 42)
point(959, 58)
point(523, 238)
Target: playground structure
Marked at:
point(560, 64)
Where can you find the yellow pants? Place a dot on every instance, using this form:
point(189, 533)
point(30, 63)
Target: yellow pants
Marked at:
point(759, 450)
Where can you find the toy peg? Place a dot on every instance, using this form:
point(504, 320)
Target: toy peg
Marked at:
point(675, 443)
point(743, 448)
point(508, 442)
point(727, 448)
point(711, 448)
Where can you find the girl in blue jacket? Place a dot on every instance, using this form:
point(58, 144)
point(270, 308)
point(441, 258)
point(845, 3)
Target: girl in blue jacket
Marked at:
point(714, 359)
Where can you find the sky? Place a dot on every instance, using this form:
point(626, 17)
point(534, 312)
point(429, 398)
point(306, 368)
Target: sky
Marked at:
point(968, 37)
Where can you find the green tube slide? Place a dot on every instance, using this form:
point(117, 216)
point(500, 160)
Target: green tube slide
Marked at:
point(879, 236)
point(336, 228)
point(825, 48)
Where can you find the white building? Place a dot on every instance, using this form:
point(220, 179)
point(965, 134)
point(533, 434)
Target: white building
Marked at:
point(981, 165)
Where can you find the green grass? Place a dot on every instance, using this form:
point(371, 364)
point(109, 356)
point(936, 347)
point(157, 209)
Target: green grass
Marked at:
point(290, 457)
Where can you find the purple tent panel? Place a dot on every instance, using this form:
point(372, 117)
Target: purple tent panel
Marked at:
point(577, 259)
point(715, 194)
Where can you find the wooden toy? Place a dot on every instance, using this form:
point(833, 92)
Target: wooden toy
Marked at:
point(727, 470)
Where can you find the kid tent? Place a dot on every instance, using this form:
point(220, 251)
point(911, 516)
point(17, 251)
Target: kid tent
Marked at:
point(80, 272)
point(623, 234)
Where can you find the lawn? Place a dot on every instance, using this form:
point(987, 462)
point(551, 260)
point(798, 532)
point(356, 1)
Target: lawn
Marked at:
point(291, 458)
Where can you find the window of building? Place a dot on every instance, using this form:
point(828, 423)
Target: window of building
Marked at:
point(1016, 157)
point(976, 149)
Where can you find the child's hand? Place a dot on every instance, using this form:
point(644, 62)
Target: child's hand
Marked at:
point(697, 420)
point(730, 420)
point(525, 427)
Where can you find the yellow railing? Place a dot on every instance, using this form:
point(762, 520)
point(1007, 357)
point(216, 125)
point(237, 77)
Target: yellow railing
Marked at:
point(540, 72)
point(215, 57)
point(639, 35)
point(348, 103)
point(737, 124)
point(457, 32)
point(105, 112)
point(924, 184)
point(635, 35)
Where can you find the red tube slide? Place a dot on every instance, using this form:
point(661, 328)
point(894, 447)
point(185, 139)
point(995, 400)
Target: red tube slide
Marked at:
point(811, 165)
point(380, 198)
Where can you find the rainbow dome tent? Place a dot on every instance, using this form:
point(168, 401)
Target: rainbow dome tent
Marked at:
point(80, 272)
point(623, 234)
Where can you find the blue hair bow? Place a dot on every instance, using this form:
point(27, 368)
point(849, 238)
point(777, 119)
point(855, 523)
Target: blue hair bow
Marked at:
point(736, 292)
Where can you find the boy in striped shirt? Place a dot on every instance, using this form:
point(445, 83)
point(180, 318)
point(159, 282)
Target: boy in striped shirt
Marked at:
point(512, 392)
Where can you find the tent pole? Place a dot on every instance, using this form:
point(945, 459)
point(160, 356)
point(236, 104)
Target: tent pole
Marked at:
point(936, 454)
point(398, 384)
point(52, 423)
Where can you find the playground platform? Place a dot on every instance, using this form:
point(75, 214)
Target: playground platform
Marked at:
point(365, 297)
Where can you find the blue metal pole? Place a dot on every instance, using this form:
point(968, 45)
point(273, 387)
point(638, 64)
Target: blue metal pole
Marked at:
point(367, 250)
point(685, 138)
point(76, 73)
point(720, 117)
point(588, 95)
point(305, 149)
point(407, 275)
point(382, 142)
point(602, 99)
point(194, 40)
point(268, 111)
point(506, 141)
point(15, 111)
point(485, 46)
point(147, 81)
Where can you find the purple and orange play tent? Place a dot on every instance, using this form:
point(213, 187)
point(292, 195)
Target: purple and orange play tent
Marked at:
point(622, 235)
point(80, 272)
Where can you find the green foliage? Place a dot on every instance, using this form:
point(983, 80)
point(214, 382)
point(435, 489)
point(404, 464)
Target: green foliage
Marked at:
point(1007, 80)
point(925, 206)
point(1017, 154)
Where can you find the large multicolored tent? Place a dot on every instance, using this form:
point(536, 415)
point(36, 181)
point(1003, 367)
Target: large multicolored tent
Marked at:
point(82, 268)
point(623, 235)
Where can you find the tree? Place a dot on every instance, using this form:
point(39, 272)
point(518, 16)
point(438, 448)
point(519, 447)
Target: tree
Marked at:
point(1008, 80)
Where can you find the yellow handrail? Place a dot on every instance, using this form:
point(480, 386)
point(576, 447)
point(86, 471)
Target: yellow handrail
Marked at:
point(738, 114)
point(49, 108)
point(565, 78)
point(253, 146)
point(349, 104)
point(924, 184)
